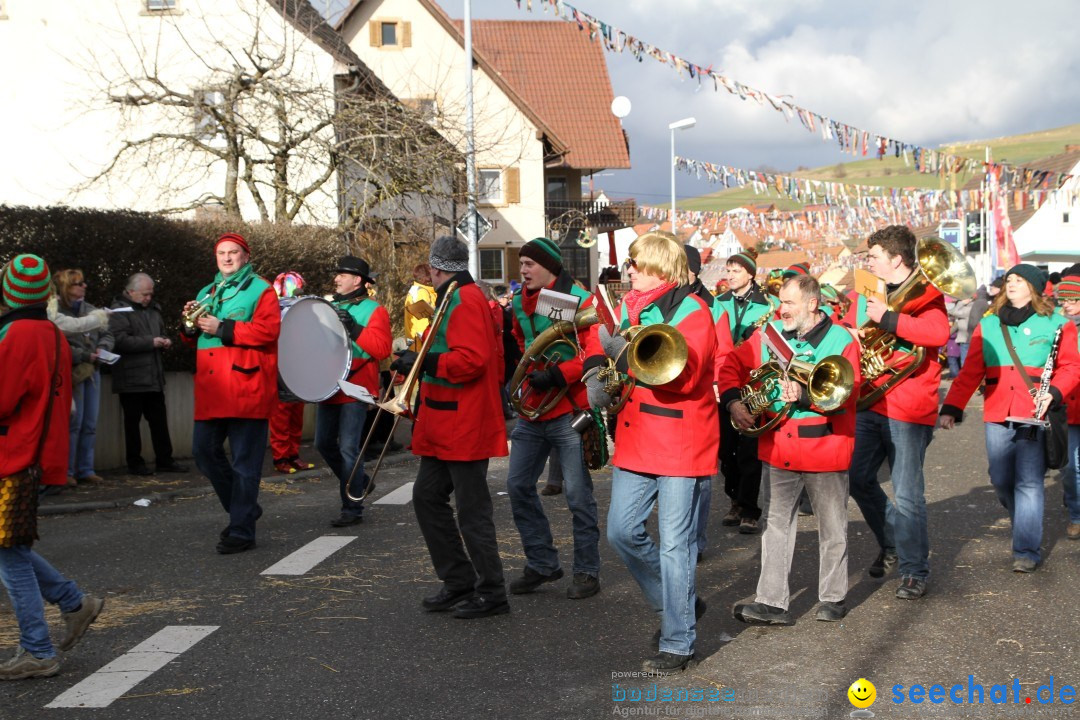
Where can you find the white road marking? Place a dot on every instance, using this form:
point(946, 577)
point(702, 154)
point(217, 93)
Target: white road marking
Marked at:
point(309, 556)
point(401, 496)
point(134, 666)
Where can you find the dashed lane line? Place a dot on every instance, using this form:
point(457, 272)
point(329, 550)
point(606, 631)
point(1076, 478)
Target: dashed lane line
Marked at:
point(125, 672)
point(309, 556)
point(401, 496)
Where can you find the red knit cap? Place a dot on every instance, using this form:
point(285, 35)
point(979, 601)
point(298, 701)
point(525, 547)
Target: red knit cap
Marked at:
point(233, 237)
point(797, 269)
point(1069, 287)
point(25, 281)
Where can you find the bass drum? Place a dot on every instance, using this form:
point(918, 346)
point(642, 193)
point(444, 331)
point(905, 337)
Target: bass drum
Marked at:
point(314, 351)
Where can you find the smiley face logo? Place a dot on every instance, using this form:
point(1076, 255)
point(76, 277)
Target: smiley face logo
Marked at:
point(862, 693)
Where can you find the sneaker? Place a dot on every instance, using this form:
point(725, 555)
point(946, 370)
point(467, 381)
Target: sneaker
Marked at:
point(232, 545)
point(24, 666)
point(666, 663)
point(831, 611)
point(76, 623)
point(748, 526)
point(1025, 565)
point(445, 599)
point(481, 607)
point(347, 518)
point(140, 470)
point(912, 588)
point(531, 579)
point(284, 467)
point(733, 516)
point(886, 561)
point(1073, 531)
point(762, 614)
point(551, 490)
point(584, 586)
point(172, 467)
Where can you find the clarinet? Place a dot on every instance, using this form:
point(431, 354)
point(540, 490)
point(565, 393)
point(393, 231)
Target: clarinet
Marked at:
point(1044, 379)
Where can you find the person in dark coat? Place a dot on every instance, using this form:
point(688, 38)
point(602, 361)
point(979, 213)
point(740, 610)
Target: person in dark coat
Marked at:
point(139, 374)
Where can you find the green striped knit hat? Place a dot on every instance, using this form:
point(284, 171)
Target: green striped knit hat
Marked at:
point(797, 269)
point(746, 260)
point(543, 252)
point(1069, 287)
point(828, 293)
point(25, 281)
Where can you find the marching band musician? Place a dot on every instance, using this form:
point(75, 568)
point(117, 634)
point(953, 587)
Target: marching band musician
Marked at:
point(459, 427)
point(1068, 291)
point(1017, 463)
point(235, 385)
point(899, 426)
point(808, 449)
point(532, 441)
point(745, 304)
point(665, 445)
point(339, 421)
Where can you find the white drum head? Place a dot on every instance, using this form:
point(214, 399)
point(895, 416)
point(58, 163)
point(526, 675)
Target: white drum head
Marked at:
point(313, 349)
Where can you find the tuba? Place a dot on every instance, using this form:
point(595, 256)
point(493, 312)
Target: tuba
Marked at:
point(655, 354)
point(939, 266)
point(541, 354)
point(829, 384)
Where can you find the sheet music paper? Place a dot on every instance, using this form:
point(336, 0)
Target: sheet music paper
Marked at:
point(107, 357)
point(605, 307)
point(778, 346)
point(356, 392)
point(421, 309)
point(556, 305)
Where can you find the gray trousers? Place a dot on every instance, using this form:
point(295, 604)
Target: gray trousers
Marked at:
point(828, 494)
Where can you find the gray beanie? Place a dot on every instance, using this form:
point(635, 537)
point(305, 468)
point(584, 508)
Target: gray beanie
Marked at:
point(449, 254)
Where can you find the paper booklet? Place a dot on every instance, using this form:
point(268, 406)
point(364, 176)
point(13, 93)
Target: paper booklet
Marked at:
point(421, 309)
point(605, 308)
point(107, 357)
point(778, 346)
point(356, 392)
point(122, 309)
point(556, 305)
point(869, 285)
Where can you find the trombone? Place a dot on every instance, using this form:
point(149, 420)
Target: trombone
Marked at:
point(402, 401)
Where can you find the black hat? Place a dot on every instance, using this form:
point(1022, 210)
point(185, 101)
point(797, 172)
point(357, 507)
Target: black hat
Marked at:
point(355, 266)
point(693, 259)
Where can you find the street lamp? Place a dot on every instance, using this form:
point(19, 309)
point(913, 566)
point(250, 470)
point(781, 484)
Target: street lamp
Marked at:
point(683, 124)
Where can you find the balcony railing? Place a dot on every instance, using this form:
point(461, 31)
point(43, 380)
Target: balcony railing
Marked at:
point(598, 216)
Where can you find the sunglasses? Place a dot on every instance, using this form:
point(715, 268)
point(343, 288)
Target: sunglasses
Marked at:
point(630, 263)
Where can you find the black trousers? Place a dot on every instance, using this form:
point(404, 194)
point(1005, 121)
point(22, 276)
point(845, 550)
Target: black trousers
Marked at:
point(481, 568)
point(151, 405)
point(740, 466)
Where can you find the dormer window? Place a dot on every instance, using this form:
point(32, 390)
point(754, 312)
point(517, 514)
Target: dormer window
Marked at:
point(390, 33)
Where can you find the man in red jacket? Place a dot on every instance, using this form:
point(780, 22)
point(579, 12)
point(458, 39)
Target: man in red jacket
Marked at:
point(339, 426)
point(235, 385)
point(34, 412)
point(900, 425)
point(459, 428)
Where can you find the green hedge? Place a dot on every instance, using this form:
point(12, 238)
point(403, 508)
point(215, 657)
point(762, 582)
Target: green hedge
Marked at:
point(109, 246)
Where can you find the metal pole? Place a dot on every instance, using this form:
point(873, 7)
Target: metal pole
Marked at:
point(673, 230)
point(470, 146)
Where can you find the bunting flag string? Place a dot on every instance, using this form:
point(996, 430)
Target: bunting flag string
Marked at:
point(849, 138)
point(809, 191)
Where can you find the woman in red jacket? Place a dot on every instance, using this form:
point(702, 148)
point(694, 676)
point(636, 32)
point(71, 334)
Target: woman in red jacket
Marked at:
point(1015, 450)
point(666, 444)
point(1068, 291)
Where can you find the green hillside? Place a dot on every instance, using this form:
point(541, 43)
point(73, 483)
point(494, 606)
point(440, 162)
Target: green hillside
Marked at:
point(891, 171)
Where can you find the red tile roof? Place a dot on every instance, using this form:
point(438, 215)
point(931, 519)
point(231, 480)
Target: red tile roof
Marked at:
point(563, 77)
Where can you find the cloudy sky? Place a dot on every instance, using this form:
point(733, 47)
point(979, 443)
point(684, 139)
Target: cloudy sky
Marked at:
point(922, 71)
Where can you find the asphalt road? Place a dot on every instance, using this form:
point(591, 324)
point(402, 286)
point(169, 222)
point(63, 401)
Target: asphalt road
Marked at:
point(348, 639)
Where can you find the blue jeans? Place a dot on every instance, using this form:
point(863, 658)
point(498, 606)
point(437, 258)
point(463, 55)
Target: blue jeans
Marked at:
point(236, 483)
point(901, 523)
point(531, 444)
point(1017, 467)
point(704, 501)
point(963, 353)
point(28, 577)
point(666, 572)
point(954, 365)
point(339, 433)
point(1070, 475)
point(83, 426)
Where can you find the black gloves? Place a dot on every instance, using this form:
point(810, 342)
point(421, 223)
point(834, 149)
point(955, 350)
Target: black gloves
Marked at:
point(543, 380)
point(347, 320)
point(404, 362)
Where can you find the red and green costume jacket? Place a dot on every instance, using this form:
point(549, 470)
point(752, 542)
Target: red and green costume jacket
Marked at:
point(27, 349)
point(1006, 392)
point(236, 370)
point(924, 323)
point(670, 429)
point(460, 415)
point(370, 341)
point(806, 441)
point(1072, 400)
point(721, 322)
point(743, 312)
point(528, 325)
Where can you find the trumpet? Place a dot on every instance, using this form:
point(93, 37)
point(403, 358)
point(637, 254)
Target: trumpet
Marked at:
point(541, 354)
point(829, 383)
point(191, 316)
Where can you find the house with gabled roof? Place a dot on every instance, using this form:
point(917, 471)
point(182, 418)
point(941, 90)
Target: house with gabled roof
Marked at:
point(542, 99)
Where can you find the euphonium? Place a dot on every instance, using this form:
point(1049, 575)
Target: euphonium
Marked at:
point(939, 266)
point(541, 354)
point(829, 384)
point(655, 355)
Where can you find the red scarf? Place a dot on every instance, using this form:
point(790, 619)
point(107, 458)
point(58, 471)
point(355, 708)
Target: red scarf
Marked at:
point(530, 297)
point(636, 301)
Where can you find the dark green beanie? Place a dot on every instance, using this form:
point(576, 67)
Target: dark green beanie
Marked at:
point(1032, 274)
point(544, 252)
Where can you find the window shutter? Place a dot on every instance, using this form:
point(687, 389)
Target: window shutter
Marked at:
point(512, 185)
point(376, 33)
point(406, 34)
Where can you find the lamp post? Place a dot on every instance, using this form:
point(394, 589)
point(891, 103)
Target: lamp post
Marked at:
point(683, 124)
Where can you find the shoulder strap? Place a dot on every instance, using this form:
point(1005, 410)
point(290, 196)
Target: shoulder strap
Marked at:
point(52, 393)
point(1016, 359)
